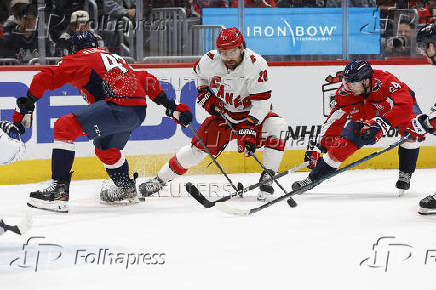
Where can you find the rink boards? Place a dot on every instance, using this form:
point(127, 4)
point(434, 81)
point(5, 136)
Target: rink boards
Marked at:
point(297, 96)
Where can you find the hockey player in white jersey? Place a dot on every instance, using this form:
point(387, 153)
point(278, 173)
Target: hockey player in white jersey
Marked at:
point(426, 123)
point(11, 146)
point(12, 149)
point(233, 81)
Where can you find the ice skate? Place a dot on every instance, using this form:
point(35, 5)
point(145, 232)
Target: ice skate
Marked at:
point(427, 205)
point(53, 198)
point(403, 182)
point(266, 189)
point(151, 186)
point(125, 194)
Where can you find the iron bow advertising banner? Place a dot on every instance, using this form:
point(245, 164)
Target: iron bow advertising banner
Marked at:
point(297, 31)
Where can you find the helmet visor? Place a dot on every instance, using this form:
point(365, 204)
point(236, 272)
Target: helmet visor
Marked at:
point(230, 53)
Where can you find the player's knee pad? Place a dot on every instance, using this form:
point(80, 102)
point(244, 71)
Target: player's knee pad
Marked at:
point(341, 149)
point(67, 128)
point(410, 145)
point(111, 158)
point(189, 156)
point(273, 133)
point(272, 158)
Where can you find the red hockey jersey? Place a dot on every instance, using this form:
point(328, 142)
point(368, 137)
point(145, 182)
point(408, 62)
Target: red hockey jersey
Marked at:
point(99, 75)
point(389, 97)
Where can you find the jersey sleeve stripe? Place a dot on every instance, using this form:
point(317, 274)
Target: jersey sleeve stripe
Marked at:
point(261, 96)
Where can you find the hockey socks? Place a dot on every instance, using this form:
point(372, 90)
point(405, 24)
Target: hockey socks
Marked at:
point(120, 175)
point(321, 169)
point(61, 164)
point(407, 158)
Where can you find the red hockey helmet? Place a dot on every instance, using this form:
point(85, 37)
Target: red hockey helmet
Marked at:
point(229, 38)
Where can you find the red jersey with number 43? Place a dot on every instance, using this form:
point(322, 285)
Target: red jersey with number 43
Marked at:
point(389, 97)
point(98, 74)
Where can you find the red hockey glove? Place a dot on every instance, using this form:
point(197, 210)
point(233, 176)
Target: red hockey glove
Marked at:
point(180, 113)
point(374, 130)
point(211, 103)
point(313, 152)
point(246, 138)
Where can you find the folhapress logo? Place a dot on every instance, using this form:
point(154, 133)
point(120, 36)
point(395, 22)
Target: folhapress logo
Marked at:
point(36, 254)
point(296, 33)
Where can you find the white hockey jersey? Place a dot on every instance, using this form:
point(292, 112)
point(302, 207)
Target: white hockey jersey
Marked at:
point(11, 149)
point(246, 90)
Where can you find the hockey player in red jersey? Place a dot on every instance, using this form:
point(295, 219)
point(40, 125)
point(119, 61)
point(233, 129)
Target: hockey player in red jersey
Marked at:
point(367, 105)
point(426, 123)
point(232, 82)
point(117, 106)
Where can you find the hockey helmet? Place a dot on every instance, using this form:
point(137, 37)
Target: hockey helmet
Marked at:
point(357, 71)
point(426, 35)
point(229, 38)
point(84, 39)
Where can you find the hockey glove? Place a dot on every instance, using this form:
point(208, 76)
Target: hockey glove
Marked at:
point(372, 132)
point(211, 103)
point(430, 122)
point(313, 152)
point(14, 130)
point(24, 110)
point(246, 138)
point(180, 113)
point(415, 131)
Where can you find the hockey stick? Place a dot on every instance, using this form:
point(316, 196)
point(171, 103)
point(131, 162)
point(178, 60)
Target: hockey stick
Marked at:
point(240, 186)
point(19, 229)
point(243, 212)
point(291, 201)
point(195, 193)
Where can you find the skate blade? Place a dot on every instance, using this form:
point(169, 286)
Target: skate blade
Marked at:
point(401, 192)
point(426, 211)
point(125, 202)
point(58, 206)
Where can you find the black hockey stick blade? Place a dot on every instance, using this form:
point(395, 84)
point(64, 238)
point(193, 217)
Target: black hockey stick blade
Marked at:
point(20, 229)
point(195, 193)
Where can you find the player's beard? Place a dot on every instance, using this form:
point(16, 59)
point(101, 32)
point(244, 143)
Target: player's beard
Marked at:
point(231, 64)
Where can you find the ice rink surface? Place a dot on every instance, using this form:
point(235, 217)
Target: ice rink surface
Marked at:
point(351, 232)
